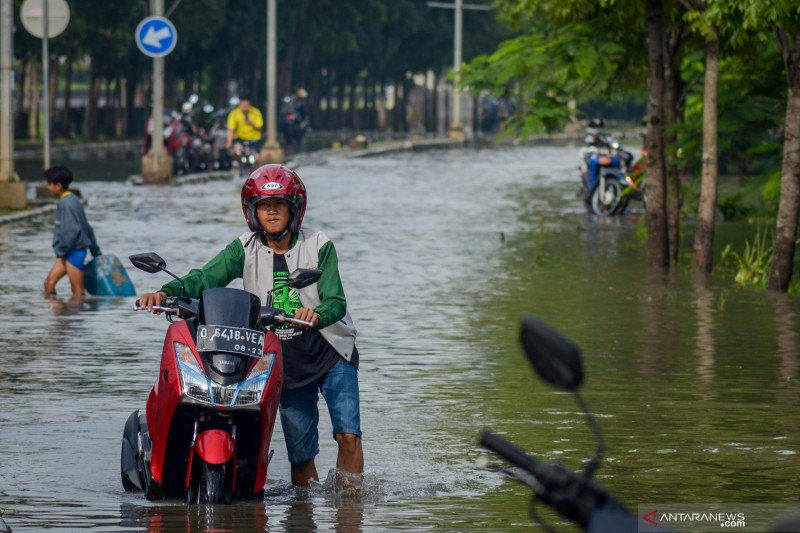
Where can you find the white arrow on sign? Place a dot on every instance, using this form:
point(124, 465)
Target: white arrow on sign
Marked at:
point(154, 38)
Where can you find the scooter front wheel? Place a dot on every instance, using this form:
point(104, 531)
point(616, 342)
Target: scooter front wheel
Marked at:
point(212, 487)
point(606, 199)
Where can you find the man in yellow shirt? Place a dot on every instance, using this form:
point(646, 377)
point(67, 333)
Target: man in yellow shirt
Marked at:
point(244, 128)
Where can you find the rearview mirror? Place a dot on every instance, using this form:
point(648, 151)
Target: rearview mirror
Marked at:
point(556, 359)
point(149, 262)
point(303, 277)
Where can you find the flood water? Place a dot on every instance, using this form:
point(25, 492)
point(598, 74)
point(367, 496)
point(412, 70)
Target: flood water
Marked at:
point(441, 254)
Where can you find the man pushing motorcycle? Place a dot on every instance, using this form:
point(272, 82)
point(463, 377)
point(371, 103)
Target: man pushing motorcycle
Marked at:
point(322, 357)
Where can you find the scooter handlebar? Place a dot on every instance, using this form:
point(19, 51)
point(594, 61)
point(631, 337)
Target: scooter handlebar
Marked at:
point(292, 320)
point(550, 477)
point(172, 305)
point(573, 496)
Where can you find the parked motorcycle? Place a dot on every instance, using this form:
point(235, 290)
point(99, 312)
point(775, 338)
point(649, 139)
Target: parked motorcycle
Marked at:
point(293, 122)
point(184, 143)
point(604, 166)
point(574, 495)
point(222, 158)
point(208, 421)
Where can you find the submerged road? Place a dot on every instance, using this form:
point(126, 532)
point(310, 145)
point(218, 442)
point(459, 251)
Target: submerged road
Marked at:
point(441, 253)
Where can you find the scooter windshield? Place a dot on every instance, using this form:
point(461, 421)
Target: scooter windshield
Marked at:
point(229, 307)
point(228, 333)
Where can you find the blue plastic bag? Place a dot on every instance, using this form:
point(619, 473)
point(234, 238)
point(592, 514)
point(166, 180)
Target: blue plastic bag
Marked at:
point(105, 276)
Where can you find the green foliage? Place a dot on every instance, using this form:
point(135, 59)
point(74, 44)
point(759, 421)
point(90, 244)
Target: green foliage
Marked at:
point(751, 108)
point(751, 267)
point(733, 207)
point(544, 73)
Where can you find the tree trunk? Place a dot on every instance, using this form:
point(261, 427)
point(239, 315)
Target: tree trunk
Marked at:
point(673, 115)
point(90, 115)
point(340, 116)
point(66, 123)
point(435, 104)
point(369, 104)
point(353, 105)
point(703, 259)
point(32, 91)
point(780, 273)
point(328, 96)
point(131, 86)
point(52, 91)
point(380, 108)
point(658, 241)
point(120, 125)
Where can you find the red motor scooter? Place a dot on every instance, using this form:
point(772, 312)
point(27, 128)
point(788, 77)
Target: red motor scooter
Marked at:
point(208, 420)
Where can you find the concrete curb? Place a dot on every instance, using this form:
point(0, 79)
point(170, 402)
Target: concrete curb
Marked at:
point(408, 146)
point(28, 213)
point(186, 179)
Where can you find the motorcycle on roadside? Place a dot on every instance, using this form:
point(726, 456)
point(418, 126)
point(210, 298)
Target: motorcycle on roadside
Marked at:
point(293, 121)
point(604, 167)
point(208, 421)
point(184, 143)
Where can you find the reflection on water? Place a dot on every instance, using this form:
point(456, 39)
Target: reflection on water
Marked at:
point(437, 295)
point(705, 343)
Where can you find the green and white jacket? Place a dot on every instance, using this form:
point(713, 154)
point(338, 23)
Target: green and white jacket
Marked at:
point(253, 263)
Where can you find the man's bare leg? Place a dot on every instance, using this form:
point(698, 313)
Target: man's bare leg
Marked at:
point(57, 271)
point(76, 277)
point(302, 474)
point(349, 461)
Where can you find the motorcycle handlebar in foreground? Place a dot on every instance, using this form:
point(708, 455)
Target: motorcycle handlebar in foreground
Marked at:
point(574, 495)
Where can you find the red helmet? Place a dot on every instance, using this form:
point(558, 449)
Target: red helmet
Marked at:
point(274, 181)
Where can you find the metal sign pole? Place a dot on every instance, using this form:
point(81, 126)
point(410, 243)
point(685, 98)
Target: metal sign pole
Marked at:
point(46, 82)
point(158, 96)
point(6, 73)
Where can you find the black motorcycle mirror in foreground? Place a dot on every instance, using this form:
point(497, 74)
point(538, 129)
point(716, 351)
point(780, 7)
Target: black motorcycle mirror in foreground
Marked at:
point(303, 277)
point(575, 496)
point(151, 263)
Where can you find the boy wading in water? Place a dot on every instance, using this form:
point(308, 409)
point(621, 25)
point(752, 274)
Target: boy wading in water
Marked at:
point(73, 237)
point(321, 358)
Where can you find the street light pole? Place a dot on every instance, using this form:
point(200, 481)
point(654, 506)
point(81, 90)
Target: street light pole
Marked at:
point(456, 130)
point(456, 127)
point(13, 192)
point(271, 152)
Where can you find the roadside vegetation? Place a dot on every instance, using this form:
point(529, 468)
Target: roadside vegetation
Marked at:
point(358, 61)
point(722, 82)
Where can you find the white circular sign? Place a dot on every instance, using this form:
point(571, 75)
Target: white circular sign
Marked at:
point(32, 15)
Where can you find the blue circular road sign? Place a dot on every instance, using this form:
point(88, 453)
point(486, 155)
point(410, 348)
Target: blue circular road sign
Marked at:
point(156, 36)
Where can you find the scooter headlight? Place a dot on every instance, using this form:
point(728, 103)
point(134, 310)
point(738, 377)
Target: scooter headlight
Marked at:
point(252, 389)
point(196, 385)
point(194, 382)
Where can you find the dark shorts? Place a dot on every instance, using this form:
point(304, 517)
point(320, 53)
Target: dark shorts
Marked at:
point(254, 146)
point(300, 415)
point(77, 258)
